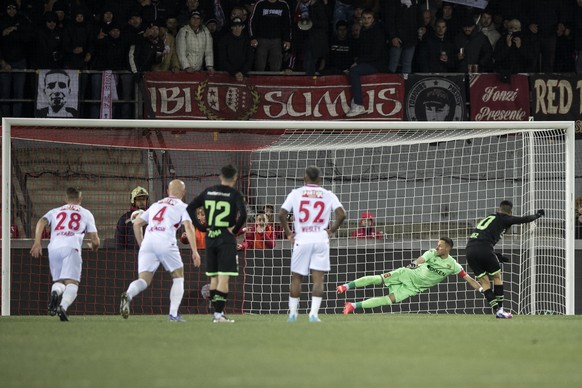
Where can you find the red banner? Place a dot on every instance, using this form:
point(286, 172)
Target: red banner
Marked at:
point(493, 100)
point(200, 96)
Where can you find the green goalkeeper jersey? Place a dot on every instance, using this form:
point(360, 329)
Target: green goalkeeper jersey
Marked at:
point(433, 270)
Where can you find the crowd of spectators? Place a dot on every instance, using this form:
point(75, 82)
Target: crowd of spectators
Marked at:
point(309, 36)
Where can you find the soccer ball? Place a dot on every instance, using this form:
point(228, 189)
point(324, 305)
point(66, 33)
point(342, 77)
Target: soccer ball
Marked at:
point(135, 215)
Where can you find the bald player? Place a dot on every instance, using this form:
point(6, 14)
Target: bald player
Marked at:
point(159, 246)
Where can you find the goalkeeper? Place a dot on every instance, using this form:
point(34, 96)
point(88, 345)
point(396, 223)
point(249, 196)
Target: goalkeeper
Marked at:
point(428, 270)
point(484, 261)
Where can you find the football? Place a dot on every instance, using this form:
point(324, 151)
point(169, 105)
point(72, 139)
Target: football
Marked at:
point(184, 238)
point(136, 214)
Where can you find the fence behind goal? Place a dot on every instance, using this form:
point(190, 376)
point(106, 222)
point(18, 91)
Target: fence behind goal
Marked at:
point(419, 181)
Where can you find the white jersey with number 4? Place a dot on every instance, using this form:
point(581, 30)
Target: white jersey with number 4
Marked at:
point(164, 218)
point(69, 223)
point(311, 206)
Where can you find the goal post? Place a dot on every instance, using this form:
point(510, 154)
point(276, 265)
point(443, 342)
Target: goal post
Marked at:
point(418, 180)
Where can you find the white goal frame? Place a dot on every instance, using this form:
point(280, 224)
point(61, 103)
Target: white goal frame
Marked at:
point(8, 123)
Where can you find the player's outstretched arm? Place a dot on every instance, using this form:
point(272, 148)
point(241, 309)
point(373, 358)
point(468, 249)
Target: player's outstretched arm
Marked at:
point(191, 234)
point(475, 284)
point(416, 263)
point(36, 250)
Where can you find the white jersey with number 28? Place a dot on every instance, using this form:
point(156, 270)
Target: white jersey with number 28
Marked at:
point(311, 206)
point(164, 218)
point(69, 223)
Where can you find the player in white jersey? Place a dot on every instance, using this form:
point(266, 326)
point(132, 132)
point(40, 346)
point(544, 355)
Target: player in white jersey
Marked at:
point(159, 246)
point(69, 224)
point(312, 206)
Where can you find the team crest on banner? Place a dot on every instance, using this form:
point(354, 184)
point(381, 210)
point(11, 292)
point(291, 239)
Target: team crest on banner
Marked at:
point(227, 101)
point(435, 98)
point(57, 94)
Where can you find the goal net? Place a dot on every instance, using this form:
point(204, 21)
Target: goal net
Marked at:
point(410, 182)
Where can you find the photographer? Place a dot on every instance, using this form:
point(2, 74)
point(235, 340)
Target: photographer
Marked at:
point(513, 53)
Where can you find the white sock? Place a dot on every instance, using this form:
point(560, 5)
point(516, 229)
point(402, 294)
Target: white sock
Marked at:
point(176, 294)
point(59, 288)
point(69, 295)
point(136, 287)
point(315, 303)
point(293, 304)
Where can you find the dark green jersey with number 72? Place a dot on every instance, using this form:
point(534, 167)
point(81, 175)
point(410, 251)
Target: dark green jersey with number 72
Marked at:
point(224, 207)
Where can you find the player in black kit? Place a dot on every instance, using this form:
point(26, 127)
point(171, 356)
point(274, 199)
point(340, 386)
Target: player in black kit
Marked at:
point(484, 261)
point(226, 214)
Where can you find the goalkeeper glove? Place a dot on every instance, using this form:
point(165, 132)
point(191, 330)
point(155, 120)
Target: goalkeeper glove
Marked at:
point(412, 265)
point(480, 289)
point(501, 258)
point(540, 213)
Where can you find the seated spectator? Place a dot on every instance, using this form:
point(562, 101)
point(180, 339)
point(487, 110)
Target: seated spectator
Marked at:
point(366, 228)
point(235, 52)
point(341, 51)
point(441, 51)
point(513, 53)
point(48, 45)
point(194, 46)
point(124, 236)
point(371, 59)
point(259, 236)
point(474, 52)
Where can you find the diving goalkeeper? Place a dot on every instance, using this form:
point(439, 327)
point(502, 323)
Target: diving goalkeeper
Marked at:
point(428, 270)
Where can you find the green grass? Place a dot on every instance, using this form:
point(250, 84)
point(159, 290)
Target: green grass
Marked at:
point(364, 350)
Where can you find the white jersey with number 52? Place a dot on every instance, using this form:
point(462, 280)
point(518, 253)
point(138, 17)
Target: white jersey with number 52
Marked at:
point(164, 218)
point(69, 223)
point(311, 206)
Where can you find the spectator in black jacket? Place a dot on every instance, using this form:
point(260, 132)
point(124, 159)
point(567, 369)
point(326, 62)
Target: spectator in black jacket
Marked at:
point(78, 41)
point(16, 37)
point(441, 50)
point(111, 53)
point(371, 58)
point(401, 23)
point(148, 50)
point(235, 51)
point(473, 48)
point(270, 31)
point(513, 53)
point(48, 45)
point(341, 51)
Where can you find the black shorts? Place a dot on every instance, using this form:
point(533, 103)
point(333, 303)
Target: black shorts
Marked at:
point(482, 261)
point(221, 256)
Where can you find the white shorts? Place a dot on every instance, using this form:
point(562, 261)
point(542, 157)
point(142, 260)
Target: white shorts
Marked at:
point(151, 255)
point(65, 263)
point(310, 255)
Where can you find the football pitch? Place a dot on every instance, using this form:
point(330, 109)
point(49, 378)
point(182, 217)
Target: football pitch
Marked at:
point(363, 350)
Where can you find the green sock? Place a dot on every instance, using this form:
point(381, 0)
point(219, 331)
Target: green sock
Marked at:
point(374, 302)
point(366, 281)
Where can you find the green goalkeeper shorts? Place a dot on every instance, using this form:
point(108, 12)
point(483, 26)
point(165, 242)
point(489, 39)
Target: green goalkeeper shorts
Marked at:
point(399, 284)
